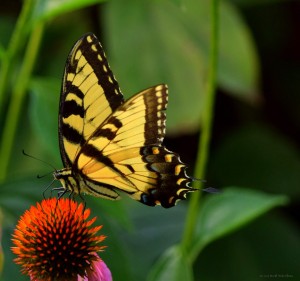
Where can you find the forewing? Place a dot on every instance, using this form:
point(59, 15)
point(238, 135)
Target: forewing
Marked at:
point(89, 95)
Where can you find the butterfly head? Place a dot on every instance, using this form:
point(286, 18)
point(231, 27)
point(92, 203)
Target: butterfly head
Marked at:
point(66, 179)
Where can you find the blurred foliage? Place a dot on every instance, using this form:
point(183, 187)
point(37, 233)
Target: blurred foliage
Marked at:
point(256, 132)
point(1, 250)
point(184, 29)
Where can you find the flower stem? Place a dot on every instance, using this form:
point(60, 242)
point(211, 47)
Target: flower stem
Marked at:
point(204, 140)
point(16, 102)
point(15, 45)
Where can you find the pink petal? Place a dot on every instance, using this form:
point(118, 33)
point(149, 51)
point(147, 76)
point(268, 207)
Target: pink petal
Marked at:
point(100, 272)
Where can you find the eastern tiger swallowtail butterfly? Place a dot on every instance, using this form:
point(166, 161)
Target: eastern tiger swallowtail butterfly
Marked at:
point(108, 144)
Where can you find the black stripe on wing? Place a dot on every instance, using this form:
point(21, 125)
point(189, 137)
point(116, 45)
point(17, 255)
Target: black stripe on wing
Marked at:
point(71, 135)
point(94, 153)
point(155, 127)
point(172, 180)
point(103, 72)
point(87, 78)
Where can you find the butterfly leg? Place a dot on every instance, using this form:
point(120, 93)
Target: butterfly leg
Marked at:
point(47, 188)
point(81, 197)
point(61, 191)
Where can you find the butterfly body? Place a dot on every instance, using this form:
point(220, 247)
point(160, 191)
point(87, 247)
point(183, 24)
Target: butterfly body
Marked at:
point(108, 144)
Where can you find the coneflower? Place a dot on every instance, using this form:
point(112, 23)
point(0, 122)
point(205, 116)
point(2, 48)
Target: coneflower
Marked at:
point(54, 240)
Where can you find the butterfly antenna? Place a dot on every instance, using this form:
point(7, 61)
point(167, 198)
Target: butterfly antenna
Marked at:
point(35, 158)
point(40, 177)
point(195, 179)
point(83, 200)
point(61, 191)
point(211, 190)
point(208, 189)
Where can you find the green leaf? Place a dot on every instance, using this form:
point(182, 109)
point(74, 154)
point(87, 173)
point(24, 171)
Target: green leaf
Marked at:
point(2, 52)
point(11, 271)
point(18, 195)
point(1, 251)
point(239, 66)
point(44, 105)
point(257, 157)
point(116, 254)
point(113, 209)
point(158, 49)
point(253, 3)
point(148, 46)
point(269, 246)
point(238, 61)
point(153, 231)
point(225, 212)
point(172, 265)
point(49, 9)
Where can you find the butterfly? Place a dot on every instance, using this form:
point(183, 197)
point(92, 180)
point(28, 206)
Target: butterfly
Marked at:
point(108, 144)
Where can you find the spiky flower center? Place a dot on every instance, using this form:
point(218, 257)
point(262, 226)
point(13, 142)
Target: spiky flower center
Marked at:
point(55, 241)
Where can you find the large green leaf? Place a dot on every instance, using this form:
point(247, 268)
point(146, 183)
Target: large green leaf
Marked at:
point(231, 209)
point(268, 248)
point(1, 251)
point(115, 210)
point(2, 52)
point(172, 265)
point(18, 195)
point(238, 69)
point(114, 218)
point(159, 42)
point(154, 231)
point(252, 3)
point(148, 46)
point(239, 66)
point(49, 9)
point(257, 157)
point(11, 271)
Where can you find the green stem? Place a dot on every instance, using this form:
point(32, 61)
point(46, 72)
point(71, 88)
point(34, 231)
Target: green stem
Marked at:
point(204, 140)
point(16, 102)
point(15, 44)
point(1, 250)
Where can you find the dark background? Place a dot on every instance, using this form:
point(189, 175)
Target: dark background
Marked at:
point(255, 140)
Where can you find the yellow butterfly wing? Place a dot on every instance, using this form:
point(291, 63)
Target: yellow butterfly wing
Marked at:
point(125, 153)
point(89, 95)
point(108, 144)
